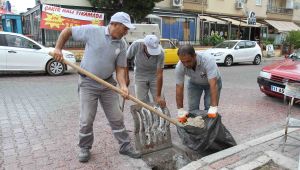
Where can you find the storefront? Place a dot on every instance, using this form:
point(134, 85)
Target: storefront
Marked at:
point(177, 25)
point(240, 29)
point(212, 26)
point(277, 30)
point(3, 12)
point(12, 23)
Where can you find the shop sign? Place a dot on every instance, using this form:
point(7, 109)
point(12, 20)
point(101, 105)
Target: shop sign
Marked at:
point(57, 18)
point(251, 20)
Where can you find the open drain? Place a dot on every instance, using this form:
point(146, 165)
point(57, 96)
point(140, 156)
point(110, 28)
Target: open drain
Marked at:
point(153, 140)
point(167, 159)
point(271, 165)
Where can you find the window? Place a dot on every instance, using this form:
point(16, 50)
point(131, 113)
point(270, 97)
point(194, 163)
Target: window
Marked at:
point(250, 44)
point(241, 44)
point(2, 40)
point(258, 2)
point(167, 45)
point(19, 42)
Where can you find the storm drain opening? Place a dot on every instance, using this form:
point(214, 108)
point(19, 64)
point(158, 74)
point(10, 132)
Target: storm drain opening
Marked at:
point(153, 140)
point(271, 165)
point(166, 159)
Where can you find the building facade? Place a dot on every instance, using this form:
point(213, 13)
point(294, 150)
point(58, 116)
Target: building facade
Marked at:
point(191, 21)
point(229, 18)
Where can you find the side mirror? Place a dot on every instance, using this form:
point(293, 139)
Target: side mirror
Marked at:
point(237, 47)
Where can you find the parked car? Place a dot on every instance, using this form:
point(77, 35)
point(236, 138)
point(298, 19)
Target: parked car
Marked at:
point(22, 54)
point(236, 51)
point(171, 57)
point(272, 78)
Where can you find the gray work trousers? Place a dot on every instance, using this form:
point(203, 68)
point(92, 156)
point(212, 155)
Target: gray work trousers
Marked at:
point(90, 92)
point(142, 88)
point(195, 92)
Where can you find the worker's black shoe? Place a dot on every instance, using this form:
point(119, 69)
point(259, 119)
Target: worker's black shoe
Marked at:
point(84, 155)
point(131, 153)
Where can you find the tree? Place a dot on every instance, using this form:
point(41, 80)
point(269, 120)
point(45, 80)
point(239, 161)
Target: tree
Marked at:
point(293, 39)
point(137, 9)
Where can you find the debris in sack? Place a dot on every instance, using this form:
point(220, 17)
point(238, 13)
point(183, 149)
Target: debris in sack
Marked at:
point(196, 122)
point(213, 136)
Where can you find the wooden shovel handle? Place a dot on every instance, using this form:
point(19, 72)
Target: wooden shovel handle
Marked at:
point(116, 89)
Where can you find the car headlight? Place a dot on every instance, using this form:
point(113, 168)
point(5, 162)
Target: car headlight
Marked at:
point(219, 53)
point(265, 74)
point(70, 56)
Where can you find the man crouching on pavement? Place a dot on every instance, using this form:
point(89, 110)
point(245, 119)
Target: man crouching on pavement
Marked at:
point(105, 52)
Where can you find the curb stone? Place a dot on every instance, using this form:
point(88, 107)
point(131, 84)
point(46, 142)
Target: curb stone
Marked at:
point(233, 150)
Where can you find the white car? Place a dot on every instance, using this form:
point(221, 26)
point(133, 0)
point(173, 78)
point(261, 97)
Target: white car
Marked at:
point(20, 53)
point(235, 51)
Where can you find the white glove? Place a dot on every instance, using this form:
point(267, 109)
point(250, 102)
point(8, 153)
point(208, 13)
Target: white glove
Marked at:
point(181, 112)
point(212, 111)
point(182, 115)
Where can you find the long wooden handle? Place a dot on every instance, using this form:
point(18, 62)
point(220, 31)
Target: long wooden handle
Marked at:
point(99, 80)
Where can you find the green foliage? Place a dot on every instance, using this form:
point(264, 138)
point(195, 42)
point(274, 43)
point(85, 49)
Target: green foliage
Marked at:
point(212, 40)
point(206, 41)
point(215, 39)
point(268, 41)
point(137, 9)
point(293, 39)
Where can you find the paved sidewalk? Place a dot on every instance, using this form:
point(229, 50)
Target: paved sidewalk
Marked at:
point(39, 127)
point(254, 154)
point(39, 120)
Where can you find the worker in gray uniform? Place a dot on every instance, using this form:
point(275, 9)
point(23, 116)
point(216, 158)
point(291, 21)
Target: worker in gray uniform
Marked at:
point(105, 52)
point(203, 74)
point(148, 58)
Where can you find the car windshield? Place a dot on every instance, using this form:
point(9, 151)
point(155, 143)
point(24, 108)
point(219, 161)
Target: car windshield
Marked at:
point(226, 44)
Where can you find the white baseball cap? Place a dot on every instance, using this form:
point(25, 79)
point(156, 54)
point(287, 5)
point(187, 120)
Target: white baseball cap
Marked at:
point(152, 44)
point(122, 18)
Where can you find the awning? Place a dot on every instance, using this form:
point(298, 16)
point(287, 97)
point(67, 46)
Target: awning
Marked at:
point(242, 23)
point(153, 16)
point(283, 26)
point(211, 19)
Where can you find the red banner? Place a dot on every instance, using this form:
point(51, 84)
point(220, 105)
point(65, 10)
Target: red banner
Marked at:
point(57, 18)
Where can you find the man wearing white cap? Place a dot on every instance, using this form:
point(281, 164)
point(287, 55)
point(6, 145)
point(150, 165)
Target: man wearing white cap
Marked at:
point(148, 68)
point(105, 53)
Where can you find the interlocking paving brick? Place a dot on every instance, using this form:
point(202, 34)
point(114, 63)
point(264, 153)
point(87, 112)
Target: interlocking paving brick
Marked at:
point(26, 160)
point(41, 113)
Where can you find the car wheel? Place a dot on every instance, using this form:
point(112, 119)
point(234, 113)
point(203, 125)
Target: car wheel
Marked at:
point(55, 68)
point(228, 61)
point(257, 60)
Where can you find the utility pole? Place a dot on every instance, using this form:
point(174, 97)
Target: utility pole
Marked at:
point(202, 23)
point(202, 6)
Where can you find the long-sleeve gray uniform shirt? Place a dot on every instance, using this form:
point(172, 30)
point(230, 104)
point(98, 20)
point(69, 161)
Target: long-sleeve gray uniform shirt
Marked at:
point(206, 69)
point(145, 67)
